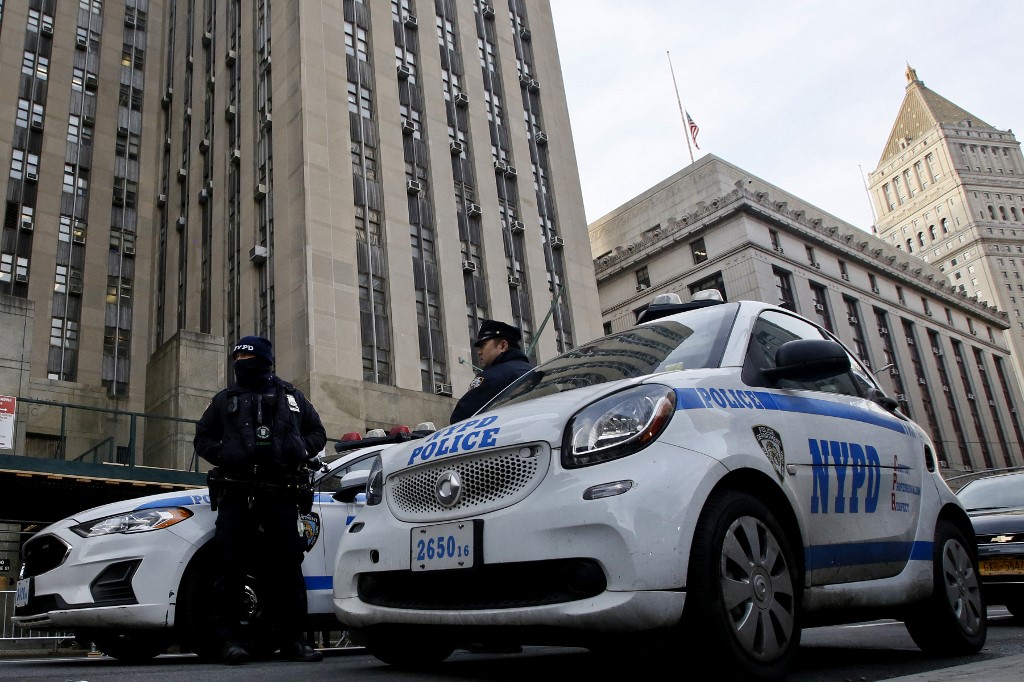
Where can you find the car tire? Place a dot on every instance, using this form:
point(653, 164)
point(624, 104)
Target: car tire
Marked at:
point(743, 590)
point(406, 653)
point(952, 621)
point(130, 647)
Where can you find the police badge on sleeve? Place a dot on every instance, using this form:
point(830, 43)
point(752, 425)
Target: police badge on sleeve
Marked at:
point(477, 381)
point(771, 442)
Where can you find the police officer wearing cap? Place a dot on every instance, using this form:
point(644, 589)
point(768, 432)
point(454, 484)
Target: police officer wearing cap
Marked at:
point(260, 433)
point(502, 362)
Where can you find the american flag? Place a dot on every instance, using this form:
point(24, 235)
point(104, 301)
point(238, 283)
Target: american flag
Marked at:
point(693, 129)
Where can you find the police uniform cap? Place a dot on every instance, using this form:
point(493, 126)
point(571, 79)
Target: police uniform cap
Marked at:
point(493, 329)
point(256, 345)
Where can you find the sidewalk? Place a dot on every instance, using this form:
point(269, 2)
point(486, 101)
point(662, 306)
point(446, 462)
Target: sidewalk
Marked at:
point(1004, 669)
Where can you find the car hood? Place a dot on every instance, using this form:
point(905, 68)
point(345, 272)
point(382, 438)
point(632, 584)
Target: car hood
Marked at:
point(177, 498)
point(540, 419)
point(989, 521)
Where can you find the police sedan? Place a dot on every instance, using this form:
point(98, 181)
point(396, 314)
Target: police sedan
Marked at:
point(708, 482)
point(134, 577)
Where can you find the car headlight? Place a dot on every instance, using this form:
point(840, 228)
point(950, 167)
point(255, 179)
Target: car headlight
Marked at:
point(375, 483)
point(617, 425)
point(137, 521)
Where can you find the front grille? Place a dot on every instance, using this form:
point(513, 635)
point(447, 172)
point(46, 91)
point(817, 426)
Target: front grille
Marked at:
point(491, 586)
point(489, 481)
point(114, 585)
point(43, 553)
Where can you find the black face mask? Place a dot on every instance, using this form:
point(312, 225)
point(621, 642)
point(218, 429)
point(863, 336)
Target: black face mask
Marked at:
point(253, 373)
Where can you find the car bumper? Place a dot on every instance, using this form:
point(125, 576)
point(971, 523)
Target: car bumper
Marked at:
point(115, 581)
point(637, 540)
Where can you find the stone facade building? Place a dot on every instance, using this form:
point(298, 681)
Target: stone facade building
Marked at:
point(941, 353)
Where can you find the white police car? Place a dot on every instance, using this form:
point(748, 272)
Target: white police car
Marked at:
point(710, 481)
point(135, 577)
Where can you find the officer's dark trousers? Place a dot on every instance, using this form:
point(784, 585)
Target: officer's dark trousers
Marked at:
point(261, 541)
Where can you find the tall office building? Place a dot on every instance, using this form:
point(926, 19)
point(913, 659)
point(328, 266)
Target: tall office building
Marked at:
point(361, 181)
point(949, 188)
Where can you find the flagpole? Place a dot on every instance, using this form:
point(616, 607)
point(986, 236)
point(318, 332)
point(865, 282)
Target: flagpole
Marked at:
point(686, 131)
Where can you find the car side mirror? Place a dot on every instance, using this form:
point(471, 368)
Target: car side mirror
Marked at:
point(808, 360)
point(352, 483)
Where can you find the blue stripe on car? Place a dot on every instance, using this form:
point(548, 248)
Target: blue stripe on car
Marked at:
point(860, 553)
point(721, 398)
point(319, 582)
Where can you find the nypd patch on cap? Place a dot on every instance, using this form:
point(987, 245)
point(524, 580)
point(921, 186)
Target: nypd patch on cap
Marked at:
point(256, 345)
point(493, 329)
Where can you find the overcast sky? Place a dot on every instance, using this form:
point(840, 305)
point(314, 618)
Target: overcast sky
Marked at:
point(802, 94)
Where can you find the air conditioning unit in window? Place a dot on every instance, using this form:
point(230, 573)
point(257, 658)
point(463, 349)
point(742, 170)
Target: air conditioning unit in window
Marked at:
point(118, 198)
point(779, 249)
point(468, 266)
point(46, 29)
point(258, 254)
point(31, 177)
point(461, 99)
point(525, 33)
point(875, 290)
point(230, 57)
point(26, 224)
point(404, 72)
point(557, 242)
point(456, 148)
point(473, 210)
point(442, 389)
point(78, 238)
point(75, 288)
point(900, 398)
point(229, 112)
point(816, 264)
point(408, 127)
point(852, 319)
point(180, 224)
point(818, 307)
point(37, 124)
point(974, 332)
point(910, 341)
point(970, 396)
point(89, 119)
point(261, 191)
point(413, 187)
point(128, 249)
point(188, 113)
point(122, 131)
point(204, 144)
point(517, 226)
point(894, 372)
point(207, 37)
point(928, 313)
point(204, 195)
point(846, 277)
point(936, 351)
point(533, 86)
point(514, 280)
point(182, 174)
point(524, 78)
point(81, 42)
point(992, 403)
point(642, 287)
point(266, 119)
point(91, 81)
point(945, 388)
point(511, 171)
point(500, 166)
point(410, 21)
point(882, 331)
point(486, 11)
point(921, 381)
point(541, 138)
point(21, 278)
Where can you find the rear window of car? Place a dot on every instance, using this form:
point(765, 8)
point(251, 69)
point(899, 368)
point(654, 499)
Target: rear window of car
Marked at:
point(996, 492)
point(691, 340)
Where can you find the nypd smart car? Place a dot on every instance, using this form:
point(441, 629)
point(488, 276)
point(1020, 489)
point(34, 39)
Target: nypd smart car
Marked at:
point(134, 577)
point(708, 482)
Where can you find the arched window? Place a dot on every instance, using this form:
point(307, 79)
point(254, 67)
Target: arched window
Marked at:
point(1002, 212)
point(1013, 213)
point(920, 238)
point(931, 232)
point(991, 213)
point(910, 246)
point(945, 226)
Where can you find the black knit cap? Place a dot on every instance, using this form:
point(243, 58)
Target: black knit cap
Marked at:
point(493, 329)
point(257, 345)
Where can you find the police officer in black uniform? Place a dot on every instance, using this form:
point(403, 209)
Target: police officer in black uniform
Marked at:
point(260, 434)
point(502, 362)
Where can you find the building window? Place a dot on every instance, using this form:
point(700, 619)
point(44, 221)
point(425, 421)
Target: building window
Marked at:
point(698, 251)
point(643, 278)
point(784, 287)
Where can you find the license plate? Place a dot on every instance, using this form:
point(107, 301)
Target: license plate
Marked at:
point(444, 546)
point(1002, 566)
point(24, 590)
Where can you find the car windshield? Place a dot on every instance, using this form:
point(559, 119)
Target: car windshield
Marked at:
point(993, 492)
point(692, 340)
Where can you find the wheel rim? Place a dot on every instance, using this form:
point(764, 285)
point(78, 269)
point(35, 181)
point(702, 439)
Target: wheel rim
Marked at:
point(757, 589)
point(962, 589)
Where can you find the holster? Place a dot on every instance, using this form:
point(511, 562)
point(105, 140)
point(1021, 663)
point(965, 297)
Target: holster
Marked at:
point(215, 482)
